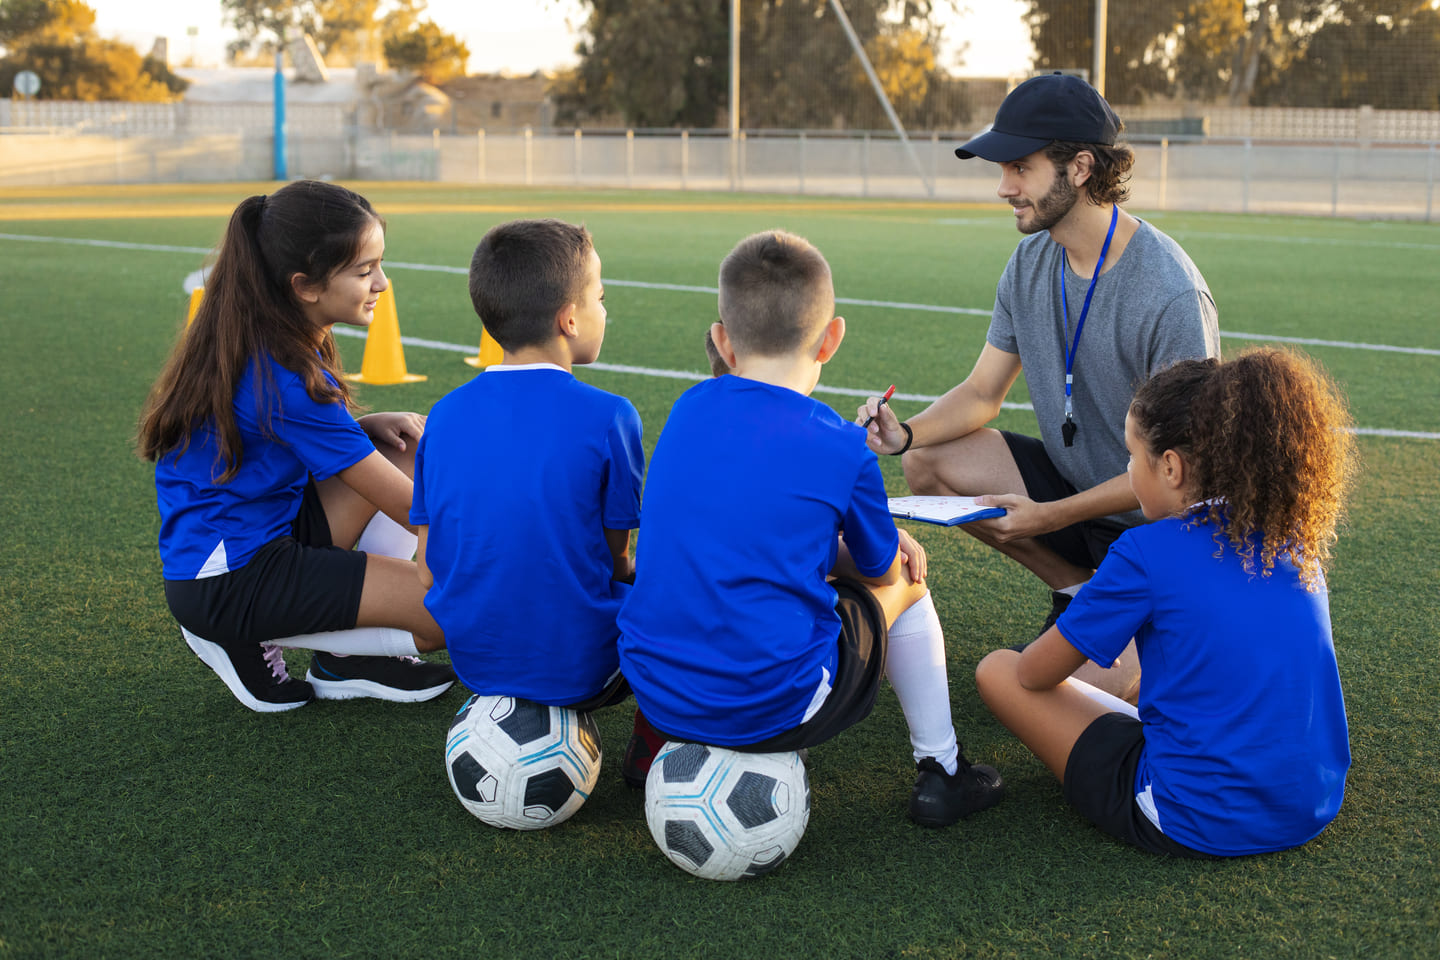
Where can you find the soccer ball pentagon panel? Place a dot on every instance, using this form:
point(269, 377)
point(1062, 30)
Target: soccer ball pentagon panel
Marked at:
point(725, 815)
point(519, 764)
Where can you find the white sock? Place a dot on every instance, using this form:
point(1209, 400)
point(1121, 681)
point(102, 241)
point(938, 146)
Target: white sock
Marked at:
point(361, 641)
point(387, 538)
point(915, 665)
point(1073, 589)
point(1115, 704)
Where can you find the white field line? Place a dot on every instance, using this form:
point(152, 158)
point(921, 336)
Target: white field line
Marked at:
point(695, 376)
point(687, 375)
point(712, 291)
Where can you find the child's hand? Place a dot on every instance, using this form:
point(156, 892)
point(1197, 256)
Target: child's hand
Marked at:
point(398, 430)
point(883, 435)
point(912, 556)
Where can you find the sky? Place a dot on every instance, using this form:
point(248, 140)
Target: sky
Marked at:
point(526, 35)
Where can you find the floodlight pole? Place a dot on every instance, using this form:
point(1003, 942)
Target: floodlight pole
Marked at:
point(280, 170)
point(1097, 72)
point(880, 93)
point(734, 92)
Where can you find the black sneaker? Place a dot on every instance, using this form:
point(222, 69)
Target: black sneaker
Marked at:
point(254, 672)
point(636, 765)
point(402, 679)
point(939, 798)
point(1058, 602)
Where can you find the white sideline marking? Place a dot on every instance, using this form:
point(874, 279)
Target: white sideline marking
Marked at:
point(357, 334)
point(712, 291)
point(687, 375)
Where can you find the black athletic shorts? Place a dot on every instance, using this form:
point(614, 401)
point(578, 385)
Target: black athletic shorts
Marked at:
point(860, 663)
point(300, 583)
point(1100, 783)
point(1085, 543)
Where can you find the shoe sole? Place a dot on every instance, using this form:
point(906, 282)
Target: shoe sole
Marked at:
point(214, 657)
point(355, 689)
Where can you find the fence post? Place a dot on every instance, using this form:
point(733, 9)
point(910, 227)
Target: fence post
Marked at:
point(740, 169)
point(1245, 182)
point(390, 155)
point(577, 156)
point(934, 162)
point(1430, 184)
point(629, 158)
point(1164, 171)
point(435, 152)
point(1335, 182)
point(684, 159)
point(529, 157)
point(480, 154)
point(802, 161)
point(865, 166)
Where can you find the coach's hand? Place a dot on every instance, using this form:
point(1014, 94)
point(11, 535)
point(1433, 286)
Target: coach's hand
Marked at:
point(1023, 518)
point(884, 435)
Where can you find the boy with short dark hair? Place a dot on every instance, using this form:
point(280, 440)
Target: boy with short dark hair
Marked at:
point(527, 482)
point(753, 625)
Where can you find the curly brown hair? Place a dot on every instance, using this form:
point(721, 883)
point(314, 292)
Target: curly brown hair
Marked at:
point(1109, 174)
point(1267, 438)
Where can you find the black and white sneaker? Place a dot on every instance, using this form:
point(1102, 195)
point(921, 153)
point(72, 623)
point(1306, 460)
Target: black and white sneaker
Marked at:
point(402, 679)
point(254, 672)
point(939, 798)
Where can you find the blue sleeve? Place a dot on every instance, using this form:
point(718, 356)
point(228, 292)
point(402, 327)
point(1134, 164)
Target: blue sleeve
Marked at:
point(323, 436)
point(419, 515)
point(869, 531)
point(624, 469)
point(1112, 607)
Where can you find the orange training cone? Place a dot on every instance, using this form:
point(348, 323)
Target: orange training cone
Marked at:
point(490, 351)
point(196, 296)
point(384, 360)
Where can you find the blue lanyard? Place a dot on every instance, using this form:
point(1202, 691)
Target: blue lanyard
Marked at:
point(1067, 430)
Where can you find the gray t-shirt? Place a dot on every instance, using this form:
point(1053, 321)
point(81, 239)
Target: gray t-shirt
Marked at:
point(1150, 309)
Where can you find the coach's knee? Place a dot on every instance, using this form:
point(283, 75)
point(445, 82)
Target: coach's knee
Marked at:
point(921, 471)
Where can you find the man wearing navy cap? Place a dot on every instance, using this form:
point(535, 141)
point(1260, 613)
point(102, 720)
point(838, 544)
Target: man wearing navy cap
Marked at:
point(1091, 303)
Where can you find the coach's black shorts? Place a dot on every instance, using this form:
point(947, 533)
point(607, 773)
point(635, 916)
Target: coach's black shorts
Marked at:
point(1085, 543)
point(859, 665)
point(301, 583)
point(1100, 783)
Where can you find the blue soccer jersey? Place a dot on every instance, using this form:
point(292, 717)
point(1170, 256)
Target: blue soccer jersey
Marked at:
point(731, 626)
point(1246, 744)
point(208, 528)
point(520, 473)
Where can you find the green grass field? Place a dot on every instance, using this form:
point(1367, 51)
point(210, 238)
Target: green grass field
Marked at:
point(146, 813)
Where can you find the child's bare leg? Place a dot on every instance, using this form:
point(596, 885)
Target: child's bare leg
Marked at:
point(1121, 679)
point(1048, 722)
point(393, 597)
point(351, 516)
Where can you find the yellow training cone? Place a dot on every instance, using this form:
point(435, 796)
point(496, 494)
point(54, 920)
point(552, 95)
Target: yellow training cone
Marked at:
point(384, 360)
point(490, 351)
point(196, 296)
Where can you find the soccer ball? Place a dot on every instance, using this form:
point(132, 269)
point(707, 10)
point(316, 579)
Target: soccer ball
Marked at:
point(519, 764)
point(724, 815)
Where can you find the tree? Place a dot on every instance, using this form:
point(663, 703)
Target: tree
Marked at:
point(1294, 52)
point(56, 39)
point(350, 31)
point(663, 63)
point(427, 51)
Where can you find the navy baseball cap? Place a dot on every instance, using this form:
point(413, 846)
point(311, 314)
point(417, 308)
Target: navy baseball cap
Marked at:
point(1053, 106)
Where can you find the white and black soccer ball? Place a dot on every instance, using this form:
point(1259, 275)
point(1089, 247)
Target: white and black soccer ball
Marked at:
point(725, 815)
point(519, 764)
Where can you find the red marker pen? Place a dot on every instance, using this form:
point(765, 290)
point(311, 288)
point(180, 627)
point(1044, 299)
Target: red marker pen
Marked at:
point(883, 400)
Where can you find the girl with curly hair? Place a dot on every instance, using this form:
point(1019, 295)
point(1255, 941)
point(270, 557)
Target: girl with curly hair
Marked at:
point(1240, 743)
point(265, 480)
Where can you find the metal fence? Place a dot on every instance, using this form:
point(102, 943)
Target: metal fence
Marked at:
point(1341, 177)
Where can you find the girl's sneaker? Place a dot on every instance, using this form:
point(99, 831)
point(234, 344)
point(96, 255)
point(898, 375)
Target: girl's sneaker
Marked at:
point(402, 679)
point(254, 672)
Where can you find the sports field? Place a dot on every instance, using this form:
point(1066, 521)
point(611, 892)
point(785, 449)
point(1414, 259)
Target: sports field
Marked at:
point(146, 813)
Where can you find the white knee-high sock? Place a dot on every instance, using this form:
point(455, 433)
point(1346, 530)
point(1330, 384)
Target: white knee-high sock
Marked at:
point(1115, 704)
point(915, 665)
point(387, 538)
point(361, 641)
